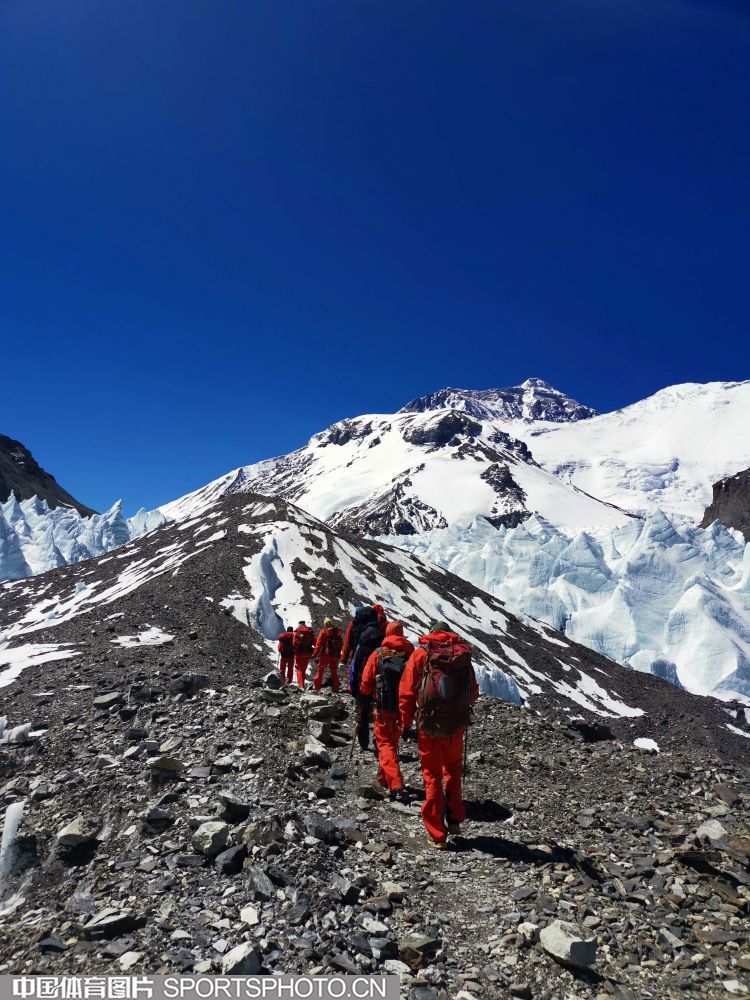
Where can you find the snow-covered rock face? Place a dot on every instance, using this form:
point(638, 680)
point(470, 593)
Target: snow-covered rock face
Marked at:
point(411, 472)
point(35, 538)
point(534, 399)
point(658, 596)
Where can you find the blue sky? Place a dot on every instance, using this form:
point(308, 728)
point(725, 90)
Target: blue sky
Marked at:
point(226, 225)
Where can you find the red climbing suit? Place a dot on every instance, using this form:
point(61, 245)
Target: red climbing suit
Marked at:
point(440, 756)
point(304, 644)
point(386, 724)
point(286, 655)
point(328, 638)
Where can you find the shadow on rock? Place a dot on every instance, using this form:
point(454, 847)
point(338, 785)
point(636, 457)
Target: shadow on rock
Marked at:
point(487, 811)
point(540, 854)
point(78, 856)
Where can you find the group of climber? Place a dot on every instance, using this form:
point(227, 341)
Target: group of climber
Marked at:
point(297, 647)
point(396, 686)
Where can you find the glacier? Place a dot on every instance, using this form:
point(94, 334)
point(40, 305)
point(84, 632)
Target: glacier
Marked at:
point(35, 538)
point(657, 595)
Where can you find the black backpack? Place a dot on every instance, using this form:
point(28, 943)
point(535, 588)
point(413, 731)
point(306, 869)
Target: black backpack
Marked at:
point(369, 640)
point(362, 620)
point(391, 667)
point(286, 644)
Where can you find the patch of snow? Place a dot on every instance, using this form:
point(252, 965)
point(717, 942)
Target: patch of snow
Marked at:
point(13, 661)
point(152, 636)
point(646, 744)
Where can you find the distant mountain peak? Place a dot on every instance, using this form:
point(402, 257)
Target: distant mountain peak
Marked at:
point(21, 475)
point(537, 383)
point(532, 400)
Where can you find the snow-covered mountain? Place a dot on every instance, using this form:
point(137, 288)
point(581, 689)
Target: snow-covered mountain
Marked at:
point(526, 493)
point(35, 538)
point(423, 468)
point(531, 495)
point(664, 452)
point(455, 454)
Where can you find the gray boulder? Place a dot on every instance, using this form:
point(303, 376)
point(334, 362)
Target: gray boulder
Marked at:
point(564, 942)
point(241, 961)
point(82, 830)
point(210, 838)
point(711, 830)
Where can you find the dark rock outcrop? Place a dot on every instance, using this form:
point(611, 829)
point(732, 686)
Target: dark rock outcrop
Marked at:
point(443, 430)
point(731, 504)
point(21, 474)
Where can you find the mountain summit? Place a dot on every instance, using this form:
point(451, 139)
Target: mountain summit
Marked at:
point(533, 399)
point(443, 459)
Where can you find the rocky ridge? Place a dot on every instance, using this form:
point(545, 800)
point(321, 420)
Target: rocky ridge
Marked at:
point(532, 400)
point(21, 474)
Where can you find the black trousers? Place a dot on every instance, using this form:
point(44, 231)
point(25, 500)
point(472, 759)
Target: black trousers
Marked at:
point(364, 715)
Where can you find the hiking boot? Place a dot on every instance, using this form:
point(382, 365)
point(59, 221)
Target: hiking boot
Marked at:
point(453, 828)
point(439, 845)
point(400, 795)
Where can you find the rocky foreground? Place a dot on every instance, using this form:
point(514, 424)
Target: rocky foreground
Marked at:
point(173, 824)
point(181, 813)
